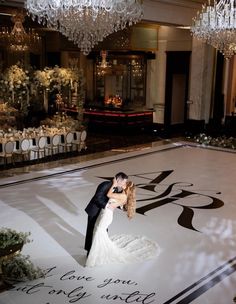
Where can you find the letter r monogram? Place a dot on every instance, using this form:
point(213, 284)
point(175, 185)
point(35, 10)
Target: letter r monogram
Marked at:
point(168, 197)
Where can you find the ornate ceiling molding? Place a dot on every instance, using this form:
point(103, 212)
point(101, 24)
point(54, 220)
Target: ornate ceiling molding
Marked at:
point(184, 3)
point(15, 3)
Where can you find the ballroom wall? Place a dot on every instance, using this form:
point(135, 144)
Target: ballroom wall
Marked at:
point(55, 49)
point(170, 12)
point(169, 39)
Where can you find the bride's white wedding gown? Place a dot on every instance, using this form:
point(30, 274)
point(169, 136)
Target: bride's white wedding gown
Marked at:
point(119, 248)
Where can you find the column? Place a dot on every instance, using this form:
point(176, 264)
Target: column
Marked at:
point(230, 87)
point(201, 81)
point(156, 77)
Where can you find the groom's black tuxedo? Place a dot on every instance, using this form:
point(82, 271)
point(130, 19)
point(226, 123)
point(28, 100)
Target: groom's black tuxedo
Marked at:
point(98, 201)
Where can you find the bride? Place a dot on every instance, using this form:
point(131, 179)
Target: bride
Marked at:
point(119, 248)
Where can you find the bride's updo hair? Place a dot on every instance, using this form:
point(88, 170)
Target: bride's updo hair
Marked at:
point(130, 205)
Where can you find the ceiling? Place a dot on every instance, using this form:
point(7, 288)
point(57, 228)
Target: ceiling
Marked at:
point(186, 3)
point(20, 3)
point(7, 8)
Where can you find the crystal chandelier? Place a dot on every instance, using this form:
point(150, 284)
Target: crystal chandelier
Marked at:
point(103, 66)
point(86, 22)
point(216, 25)
point(17, 39)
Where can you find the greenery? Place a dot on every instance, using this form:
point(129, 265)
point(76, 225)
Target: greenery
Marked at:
point(20, 268)
point(14, 87)
point(16, 267)
point(221, 141)
point(9, 237)
point(20, 87)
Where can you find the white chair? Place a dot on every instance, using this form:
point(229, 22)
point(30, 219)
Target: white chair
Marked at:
point(53, 145)
point(23, 150)
point(7, 152)
point(67, 142)
point(83, 137)
point(40, 147)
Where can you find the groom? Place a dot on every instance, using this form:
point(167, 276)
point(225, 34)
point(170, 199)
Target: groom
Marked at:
point(99, 201)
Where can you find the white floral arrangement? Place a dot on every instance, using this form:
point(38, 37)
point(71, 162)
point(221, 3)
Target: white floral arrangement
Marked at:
point(15, 78)
point(14, 87)
point(56, 77)
point(43, 78)
point(62, 76)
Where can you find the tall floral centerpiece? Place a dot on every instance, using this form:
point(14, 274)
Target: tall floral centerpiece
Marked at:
point(15, 88)
point(67, 82)
point(62, 79)
point(42, 81)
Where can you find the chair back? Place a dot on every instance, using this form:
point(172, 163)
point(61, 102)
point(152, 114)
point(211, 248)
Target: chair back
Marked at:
point(83, 135)
point(69, 137)
point(42, 142)
point(55, 140)
point(9, 147)
point(25, 144)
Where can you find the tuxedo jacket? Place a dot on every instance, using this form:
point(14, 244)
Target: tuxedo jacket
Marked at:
point(99, 200)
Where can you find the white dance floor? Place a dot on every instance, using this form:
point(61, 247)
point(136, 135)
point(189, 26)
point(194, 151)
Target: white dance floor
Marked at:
point(186, 202)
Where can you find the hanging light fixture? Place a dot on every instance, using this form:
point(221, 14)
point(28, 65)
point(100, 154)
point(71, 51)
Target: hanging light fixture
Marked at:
point(86, 22)
point(104, 66)
point(216, 25)
point(17, 39)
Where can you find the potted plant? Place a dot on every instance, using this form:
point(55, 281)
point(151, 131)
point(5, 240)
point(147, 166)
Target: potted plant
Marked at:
point(12, 241)
point(15, 267)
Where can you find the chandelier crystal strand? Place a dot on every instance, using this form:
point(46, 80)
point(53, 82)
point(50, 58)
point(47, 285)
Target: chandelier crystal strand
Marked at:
point(81, 28)
point(86, 22)
point(216, 25)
